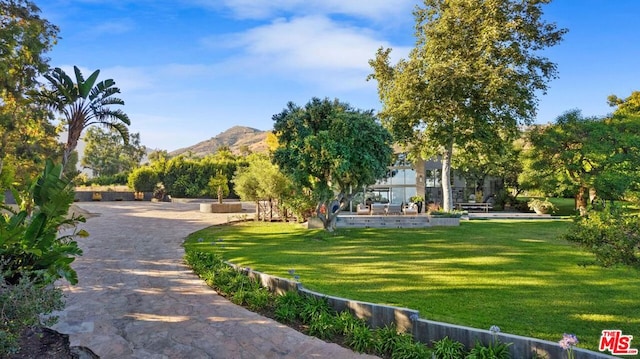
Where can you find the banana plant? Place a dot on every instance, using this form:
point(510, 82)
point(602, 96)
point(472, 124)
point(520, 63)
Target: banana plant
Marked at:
point(31, 239)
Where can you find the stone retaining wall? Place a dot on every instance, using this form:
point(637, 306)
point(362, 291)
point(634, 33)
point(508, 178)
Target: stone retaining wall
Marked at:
point(423, 330)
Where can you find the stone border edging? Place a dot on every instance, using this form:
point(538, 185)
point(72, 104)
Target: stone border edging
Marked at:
point(423, 330)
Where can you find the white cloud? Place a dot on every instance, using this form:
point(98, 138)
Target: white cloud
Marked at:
point(312, 48)
point(262, 9)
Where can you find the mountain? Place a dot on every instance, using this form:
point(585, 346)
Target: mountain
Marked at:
point(236, 138)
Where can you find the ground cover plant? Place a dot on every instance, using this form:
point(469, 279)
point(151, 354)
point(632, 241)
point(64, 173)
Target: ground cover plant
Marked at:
point(514, 274)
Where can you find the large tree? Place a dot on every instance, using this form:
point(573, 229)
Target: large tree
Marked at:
point(26, 135)
point(84, 103)
point(589, 157)
point(331, 149)
point(107, 154)
point(473, 76)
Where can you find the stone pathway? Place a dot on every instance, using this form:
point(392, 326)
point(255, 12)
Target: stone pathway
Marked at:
point(137, 299)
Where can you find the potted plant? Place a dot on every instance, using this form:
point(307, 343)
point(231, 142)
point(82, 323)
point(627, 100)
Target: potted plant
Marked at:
point(418, 200)
point(542, 206)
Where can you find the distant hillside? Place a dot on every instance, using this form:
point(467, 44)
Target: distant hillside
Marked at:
point(236, 137)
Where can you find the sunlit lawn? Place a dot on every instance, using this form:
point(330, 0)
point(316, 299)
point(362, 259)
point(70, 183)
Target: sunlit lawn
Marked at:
point(514, 274)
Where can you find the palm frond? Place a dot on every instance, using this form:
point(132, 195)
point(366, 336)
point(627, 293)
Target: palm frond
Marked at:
point(86, 87)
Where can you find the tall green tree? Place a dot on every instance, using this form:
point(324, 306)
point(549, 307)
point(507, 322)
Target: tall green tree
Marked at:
point(330, 149)
point(84, 103)
point(629, 106)
point(589, 157)
point(26, 135)
point(107, 154)
point(473, 75)
point(261, 180)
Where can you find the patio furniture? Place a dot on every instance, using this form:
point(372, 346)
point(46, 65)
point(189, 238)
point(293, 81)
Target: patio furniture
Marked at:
point(411, 209)
point(362, 209)
point(394, 208)
point(378, 208)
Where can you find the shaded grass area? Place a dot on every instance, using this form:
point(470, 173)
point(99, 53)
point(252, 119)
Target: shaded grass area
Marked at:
point(514, 274)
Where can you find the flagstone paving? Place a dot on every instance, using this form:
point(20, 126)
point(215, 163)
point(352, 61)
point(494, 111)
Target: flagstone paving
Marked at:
point(137, 299)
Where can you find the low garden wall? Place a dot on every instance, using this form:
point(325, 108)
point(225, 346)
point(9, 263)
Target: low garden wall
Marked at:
point(423, 330)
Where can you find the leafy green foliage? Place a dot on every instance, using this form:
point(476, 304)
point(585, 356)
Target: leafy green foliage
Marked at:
point(29, 239)
point(323, 326)
point(588, 157)
point(408, 349)
point(446, 348)
point(361, 339)
point(189, 177)
point(143, 179)
point(107, 154)
point(610, 234)
point(495, 350)
point(470, 79)
point(388, 338)
point(219, 186)
point(313, 307)
point(27, 137)
point(82, 104)
point(288, 306)
point(328, 148)
point(24, 305)
point(259, 299)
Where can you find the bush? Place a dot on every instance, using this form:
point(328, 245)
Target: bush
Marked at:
point(117, 179)
point(361, 339)
point(23, 306)
point(29, 239)
point(388, 338)
point(610, 234)
point(446, 348)
point(143, 179)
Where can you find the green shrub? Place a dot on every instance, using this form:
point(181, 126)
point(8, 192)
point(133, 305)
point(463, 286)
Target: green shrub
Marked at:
point(29, 239)
point(495, 350)
point(610, 234)
point(23, 306)
point(323, 326)
point(259, 299)
point(411, 350)
point(346, 322)
point(361, 339)
point(314, 306)
point(287, 307)
point(446, 348)
point(143, 179)
point(388, 338)
point(117, 179)
point(446, 214)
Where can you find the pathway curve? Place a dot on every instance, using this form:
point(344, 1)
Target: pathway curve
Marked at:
point(137, 299)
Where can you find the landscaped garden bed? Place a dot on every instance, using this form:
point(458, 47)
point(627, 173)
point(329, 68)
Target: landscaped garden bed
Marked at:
point(514, 274)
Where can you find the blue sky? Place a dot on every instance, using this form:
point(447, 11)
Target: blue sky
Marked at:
point(190, 69)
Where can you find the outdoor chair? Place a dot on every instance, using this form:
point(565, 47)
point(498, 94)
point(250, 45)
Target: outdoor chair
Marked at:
point(411, 209)
point(394, 208)
point(378, 208)
point(362, 209)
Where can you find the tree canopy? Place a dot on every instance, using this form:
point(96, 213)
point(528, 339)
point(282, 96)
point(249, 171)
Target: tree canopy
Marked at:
point(84, 103)
point(473, 75)
point(586, 156)
point(26, 135)
point(107, 154)
point(331, 149)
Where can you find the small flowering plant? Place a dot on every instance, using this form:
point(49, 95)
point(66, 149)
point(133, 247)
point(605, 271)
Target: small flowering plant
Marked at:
point(567, 343)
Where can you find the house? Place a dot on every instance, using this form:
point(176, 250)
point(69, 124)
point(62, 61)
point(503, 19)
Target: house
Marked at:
point(406, 179)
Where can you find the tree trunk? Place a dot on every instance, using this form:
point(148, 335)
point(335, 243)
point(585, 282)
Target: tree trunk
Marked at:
point(220, 193)
point(447, 191)
point(581, 202)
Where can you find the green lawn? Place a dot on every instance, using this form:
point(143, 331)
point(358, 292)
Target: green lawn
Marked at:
point(514, 274)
